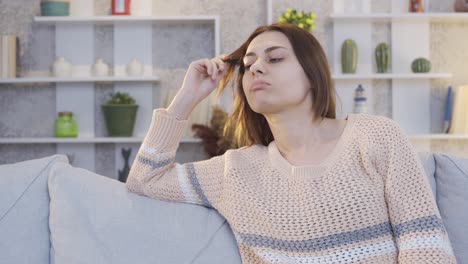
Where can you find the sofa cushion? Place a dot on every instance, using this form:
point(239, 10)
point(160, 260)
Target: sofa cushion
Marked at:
point(95, 219)
point(24, 211)
point(452, 196)
point(428, 162)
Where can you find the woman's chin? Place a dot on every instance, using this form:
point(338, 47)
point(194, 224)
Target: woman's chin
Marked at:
point(264, 108)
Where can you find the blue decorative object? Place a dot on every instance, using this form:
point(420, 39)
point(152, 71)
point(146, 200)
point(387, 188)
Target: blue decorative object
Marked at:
point(448, 108)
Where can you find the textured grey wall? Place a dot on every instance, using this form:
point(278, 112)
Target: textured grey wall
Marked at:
point(29, 111)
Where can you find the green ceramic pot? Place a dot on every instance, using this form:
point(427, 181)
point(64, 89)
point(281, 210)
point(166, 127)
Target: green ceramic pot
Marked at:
point(65, 125)
point(120, 119)
point(55, 8)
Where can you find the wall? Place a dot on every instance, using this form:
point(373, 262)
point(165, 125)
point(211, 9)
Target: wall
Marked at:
point(29, 111)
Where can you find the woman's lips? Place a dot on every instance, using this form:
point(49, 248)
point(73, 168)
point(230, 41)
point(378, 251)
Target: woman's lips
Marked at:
point(258, 85)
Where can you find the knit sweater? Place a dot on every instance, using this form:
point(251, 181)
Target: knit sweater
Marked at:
point(368, 202)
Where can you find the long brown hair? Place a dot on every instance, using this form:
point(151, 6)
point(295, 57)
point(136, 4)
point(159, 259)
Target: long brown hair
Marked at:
point(246, 127)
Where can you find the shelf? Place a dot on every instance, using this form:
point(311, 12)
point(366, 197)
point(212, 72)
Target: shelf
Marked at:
point(78, 79)
point(52, 140)
point(439, 137)
point(392, 76)
point(120, 19)
point(387, 17)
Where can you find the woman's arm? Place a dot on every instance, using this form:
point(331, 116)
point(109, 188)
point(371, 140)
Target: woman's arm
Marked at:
point(417, 225)
point(154, 172)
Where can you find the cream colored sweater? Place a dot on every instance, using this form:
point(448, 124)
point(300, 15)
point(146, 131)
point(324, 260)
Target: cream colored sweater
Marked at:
point(369, 202)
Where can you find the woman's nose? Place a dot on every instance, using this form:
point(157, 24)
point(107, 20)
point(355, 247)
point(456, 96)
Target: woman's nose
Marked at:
point(257, 67)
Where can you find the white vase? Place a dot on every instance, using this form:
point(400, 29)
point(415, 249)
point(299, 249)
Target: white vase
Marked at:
point(100, 68)
point(82, 8)
point(61, 67)
point(135, 68)
point(142, 7)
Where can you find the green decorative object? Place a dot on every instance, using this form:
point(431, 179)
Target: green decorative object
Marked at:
point(349, 54)
point(120, 114)
point(300, 19)
point(382, 57)
point(55, 8)
point(65, 125)
point(421, 65)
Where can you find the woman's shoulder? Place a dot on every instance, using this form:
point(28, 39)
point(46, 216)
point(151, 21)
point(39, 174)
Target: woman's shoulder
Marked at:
point(375, 124)
point(378, 130)
point(248, 150)
point(247, 153)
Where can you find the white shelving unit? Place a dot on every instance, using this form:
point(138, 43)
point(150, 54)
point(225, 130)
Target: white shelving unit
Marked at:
point(391, 76)
point(439, 137)
point(130, 19)
point(74, 40)
point(110, 79)
point(410, 38)
point(409, 17)
point(54, 140)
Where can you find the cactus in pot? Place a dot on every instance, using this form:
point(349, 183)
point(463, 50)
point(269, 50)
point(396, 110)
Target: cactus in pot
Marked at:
point(382, 57)
point(349, 54)
point(421, 65)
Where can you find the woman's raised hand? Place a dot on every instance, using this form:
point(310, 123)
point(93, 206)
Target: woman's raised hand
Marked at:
point(201, 78)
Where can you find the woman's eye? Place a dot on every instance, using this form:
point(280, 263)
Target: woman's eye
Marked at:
point(276, 60)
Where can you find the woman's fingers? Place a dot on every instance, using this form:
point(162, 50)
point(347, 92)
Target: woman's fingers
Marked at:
point(212, 66)
point(214, 73)
point(219, 66)
point(219, 62)
point(208, 66)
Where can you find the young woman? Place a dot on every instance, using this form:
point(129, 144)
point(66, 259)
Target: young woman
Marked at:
point(304, 187)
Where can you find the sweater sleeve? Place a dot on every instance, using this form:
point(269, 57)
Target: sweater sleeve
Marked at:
point(417, 226)
point(155, 174)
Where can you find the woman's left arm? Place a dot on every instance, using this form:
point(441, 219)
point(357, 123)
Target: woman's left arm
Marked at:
point(417, 226)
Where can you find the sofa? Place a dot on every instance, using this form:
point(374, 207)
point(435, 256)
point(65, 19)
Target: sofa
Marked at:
point(52, 212)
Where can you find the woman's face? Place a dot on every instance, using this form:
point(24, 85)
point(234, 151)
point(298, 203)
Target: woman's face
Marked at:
point(274, 80)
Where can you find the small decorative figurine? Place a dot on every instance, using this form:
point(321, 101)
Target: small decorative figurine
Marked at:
point(123, 174)
point(360, 100)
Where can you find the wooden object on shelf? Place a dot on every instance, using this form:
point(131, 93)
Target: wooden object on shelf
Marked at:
point(8, 55)
point(460, 6)
point(416, 6)
point(459, 124)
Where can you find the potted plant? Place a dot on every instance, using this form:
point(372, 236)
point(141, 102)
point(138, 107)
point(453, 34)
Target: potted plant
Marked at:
point(119, 114)
point(300, 19)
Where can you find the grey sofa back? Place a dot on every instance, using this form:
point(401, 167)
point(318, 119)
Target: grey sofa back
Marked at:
point(24, 211)
point(448, 176)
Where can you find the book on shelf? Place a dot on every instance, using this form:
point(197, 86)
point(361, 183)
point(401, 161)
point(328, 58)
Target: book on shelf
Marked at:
point(459, 123)
point(448, 109)
point(8, 56)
